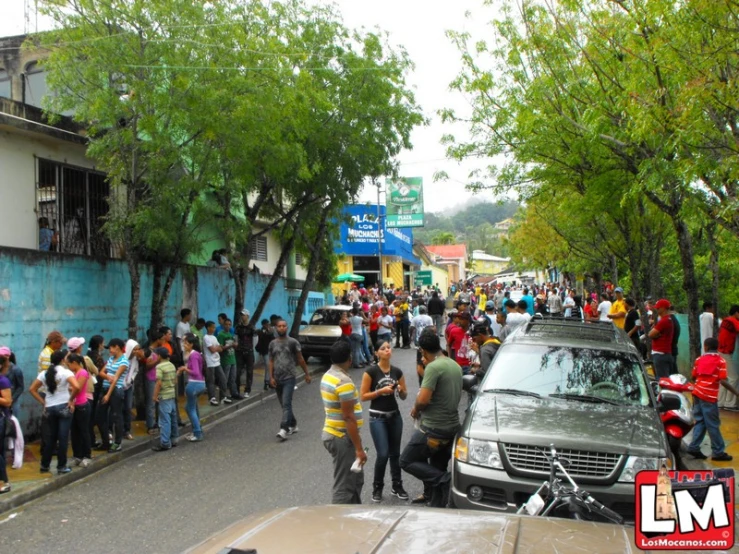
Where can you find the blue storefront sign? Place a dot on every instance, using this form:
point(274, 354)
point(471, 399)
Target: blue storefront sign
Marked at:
point(359, 236)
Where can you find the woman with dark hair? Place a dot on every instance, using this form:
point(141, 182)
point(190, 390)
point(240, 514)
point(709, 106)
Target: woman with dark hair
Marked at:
point(95, 353)
point(81, 445)
point(577, 308)
point(60, 388)
point(380, 382)
point(195, 370)
point(6, 401)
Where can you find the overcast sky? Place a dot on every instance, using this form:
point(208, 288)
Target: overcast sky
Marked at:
point(418, 25)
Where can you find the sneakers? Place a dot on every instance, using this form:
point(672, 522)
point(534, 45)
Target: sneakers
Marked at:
point(76, 461)
point(115, 447)
point(293, 430)
point(246, 395)
point(282, 435)
point(399, 491)
point(697, 454)
point(228, 400)
point(160, 448)
point(85, 462)
point(723, 457)
point(128, 436)
point(101, 447)
point(377, 492)
point(43, 469)
point(63, 470)
point(193, 438)
point(213, 401)
point(420, 499)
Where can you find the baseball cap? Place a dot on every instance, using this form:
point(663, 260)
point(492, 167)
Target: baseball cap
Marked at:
point(75, 342)
point(618, 289)
point(479, 328)
point(245, 312)
point(116, 342)
point(662, 304)
point(4, 351)
point(489, 305)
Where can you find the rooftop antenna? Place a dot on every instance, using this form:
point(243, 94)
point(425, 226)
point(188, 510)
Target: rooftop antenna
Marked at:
point(27, 9)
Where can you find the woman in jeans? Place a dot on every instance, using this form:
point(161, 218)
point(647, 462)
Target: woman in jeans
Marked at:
point(6, 401)
point(196, 383)
point(380, 382)
point(61, 388)
point(81, 446)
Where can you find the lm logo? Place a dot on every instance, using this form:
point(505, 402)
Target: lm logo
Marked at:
point(676, 510)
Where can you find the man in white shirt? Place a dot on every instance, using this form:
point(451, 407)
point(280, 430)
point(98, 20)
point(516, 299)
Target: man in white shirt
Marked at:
point(554, 303)
point(419, 323)
point(706, 324)
point(183, 328)
point(510, 321)
point(604, 308)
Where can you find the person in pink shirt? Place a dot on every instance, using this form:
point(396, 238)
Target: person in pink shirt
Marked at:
point(81, 446)
point(195, 370)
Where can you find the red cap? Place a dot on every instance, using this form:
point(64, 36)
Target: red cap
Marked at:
point(662, 304)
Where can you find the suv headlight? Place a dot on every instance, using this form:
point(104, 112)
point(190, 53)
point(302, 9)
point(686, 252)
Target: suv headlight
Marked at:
point(478, 452)
point(635, 464)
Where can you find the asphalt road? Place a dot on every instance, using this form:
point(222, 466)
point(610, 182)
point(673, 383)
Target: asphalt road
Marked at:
point(169, 501)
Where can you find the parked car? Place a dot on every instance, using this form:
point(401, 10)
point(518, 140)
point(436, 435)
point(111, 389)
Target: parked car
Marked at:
point(408, 530)
point(322, 331)
point(579, 386)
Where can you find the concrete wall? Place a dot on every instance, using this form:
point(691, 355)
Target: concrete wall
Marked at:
point(18, 181)
point(78, 296)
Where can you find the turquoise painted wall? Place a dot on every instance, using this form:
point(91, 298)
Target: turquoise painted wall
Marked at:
point(78, 296)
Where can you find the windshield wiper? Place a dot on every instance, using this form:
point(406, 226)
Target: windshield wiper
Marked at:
point(586, 398)
point(515, 392)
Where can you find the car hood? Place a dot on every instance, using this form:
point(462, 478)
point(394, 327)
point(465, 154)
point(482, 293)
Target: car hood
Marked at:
point(404, 530)
point(320, 331)
point(635, 430)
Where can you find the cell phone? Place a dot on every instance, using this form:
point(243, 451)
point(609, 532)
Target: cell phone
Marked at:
point(395, 386)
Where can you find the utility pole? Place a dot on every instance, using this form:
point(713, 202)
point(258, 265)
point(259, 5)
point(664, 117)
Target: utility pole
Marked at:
point(379, 238)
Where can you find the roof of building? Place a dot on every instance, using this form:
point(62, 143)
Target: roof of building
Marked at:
point(448, 250)
point(484, 257)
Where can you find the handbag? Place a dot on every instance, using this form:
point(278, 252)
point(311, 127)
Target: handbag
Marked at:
point(9, 428)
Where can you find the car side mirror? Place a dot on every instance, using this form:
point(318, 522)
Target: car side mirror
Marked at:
point(655, 388)
point(667, 403)
point(469, 383)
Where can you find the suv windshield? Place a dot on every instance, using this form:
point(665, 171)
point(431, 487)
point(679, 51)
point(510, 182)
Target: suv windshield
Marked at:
point(569, 373)
point(326, 317)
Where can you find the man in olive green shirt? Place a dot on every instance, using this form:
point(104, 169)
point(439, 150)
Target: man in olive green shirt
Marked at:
point(164, 394)
point(427, 454)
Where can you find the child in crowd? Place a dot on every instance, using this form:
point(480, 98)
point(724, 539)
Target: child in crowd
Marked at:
point(709, 371)
point(164, 393)
point(265, 335)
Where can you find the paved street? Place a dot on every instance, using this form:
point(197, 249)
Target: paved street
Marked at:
point(166, 502)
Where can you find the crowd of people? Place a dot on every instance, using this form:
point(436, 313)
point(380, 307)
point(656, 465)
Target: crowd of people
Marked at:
point(88, 397)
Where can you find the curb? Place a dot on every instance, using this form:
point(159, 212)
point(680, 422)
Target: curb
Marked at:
point(138, 446)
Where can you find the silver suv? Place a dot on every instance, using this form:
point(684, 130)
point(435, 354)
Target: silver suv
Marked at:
point(322, 331)
point(580, 386)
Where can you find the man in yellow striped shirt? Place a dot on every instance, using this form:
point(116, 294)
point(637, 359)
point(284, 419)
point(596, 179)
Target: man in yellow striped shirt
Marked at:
point(341, 427)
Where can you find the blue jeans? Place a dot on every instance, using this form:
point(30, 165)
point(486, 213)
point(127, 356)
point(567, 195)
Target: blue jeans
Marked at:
point(386, 434)
point(662, 365)
point(426, 457)
point(192, 391)
point(151, 406)
point(357, 355)
point(168, 430)
point(706, 419)
point(59, 420)
point(285, 390)
point(229, 370)
point(365, 345)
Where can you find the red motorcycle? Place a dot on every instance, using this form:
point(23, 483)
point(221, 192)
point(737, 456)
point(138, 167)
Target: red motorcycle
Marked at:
point(679, 422)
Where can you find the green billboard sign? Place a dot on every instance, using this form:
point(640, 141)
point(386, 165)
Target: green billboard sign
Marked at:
point(405, 202)
point(423, 278)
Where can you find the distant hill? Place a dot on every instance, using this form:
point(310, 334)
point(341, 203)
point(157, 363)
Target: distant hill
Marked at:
point(472, 223)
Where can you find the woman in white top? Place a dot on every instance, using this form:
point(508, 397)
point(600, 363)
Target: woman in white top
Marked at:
point(60, 387)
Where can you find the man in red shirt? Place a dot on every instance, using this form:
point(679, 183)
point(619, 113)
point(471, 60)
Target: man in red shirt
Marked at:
point(727, 334)
point(458, 342)
point(709, 372)
point(661, 335)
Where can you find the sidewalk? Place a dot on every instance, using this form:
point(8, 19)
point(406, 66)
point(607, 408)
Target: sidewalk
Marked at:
point(29, 484)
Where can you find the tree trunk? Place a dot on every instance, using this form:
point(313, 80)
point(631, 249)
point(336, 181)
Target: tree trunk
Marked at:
point(133, 306)
point(155, 316)
point(281, 262)
point(241, 279)
point(690, 283)
point(713, 265)
point(315, 259)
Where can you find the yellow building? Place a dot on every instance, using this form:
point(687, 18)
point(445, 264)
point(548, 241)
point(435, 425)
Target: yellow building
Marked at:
point(485, 264)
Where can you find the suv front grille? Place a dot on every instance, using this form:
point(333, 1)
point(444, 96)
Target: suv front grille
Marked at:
point(595, 465)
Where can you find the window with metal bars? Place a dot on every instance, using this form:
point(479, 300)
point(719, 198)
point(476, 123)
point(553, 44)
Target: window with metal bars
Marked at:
point(72, 204)
point(259, 249)
point(299, 259)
